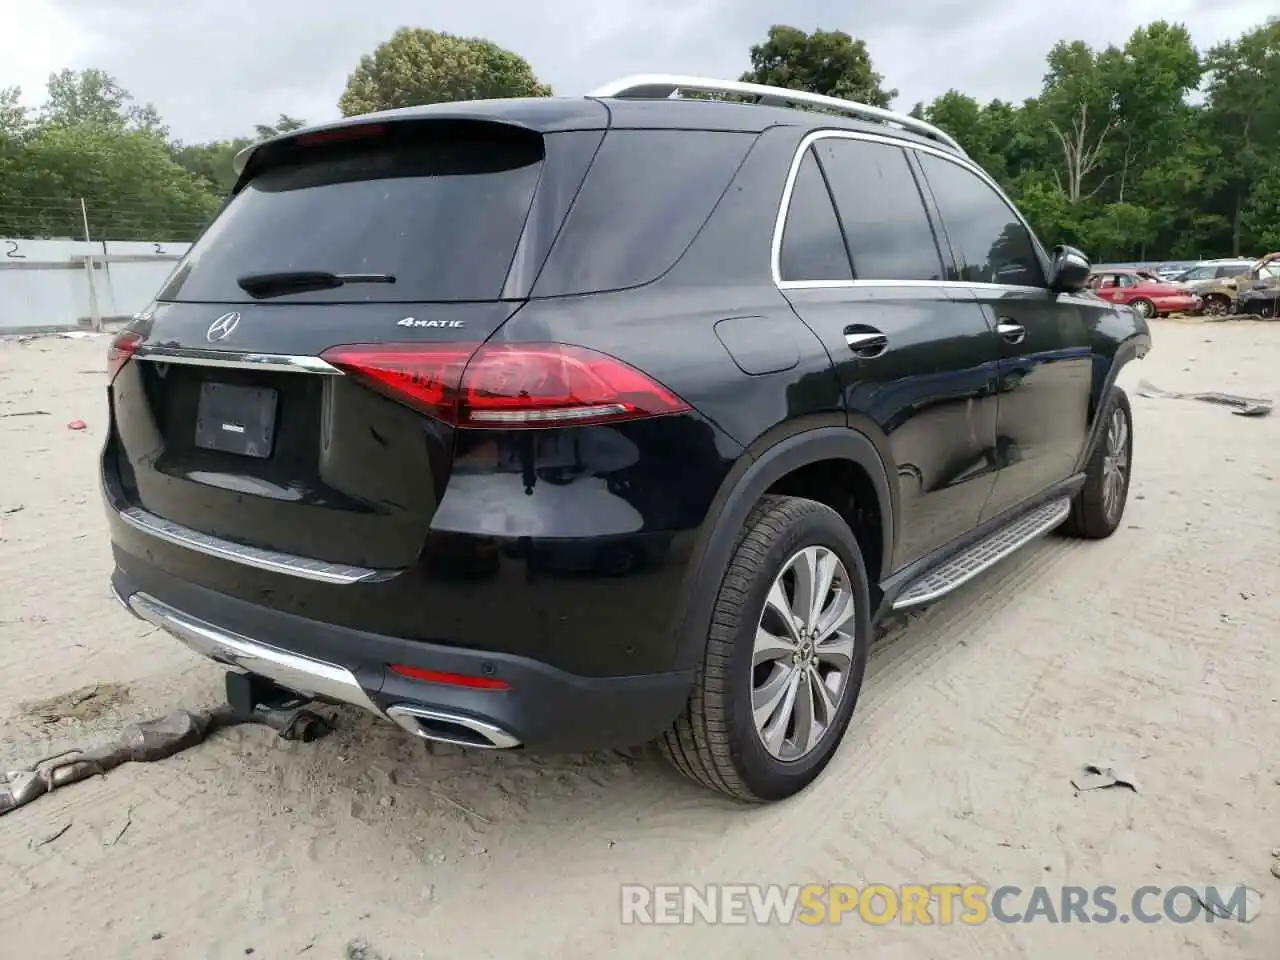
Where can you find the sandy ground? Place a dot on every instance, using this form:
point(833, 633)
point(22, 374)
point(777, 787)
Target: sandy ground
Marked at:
point(1156, 650)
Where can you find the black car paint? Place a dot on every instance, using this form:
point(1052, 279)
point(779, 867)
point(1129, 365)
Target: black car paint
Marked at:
point(589, 558)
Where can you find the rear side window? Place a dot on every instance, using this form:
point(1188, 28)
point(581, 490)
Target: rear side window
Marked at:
point(812, 248)
point(645, 198)
point(441, 214)
point(988, 240)
point(881, 210)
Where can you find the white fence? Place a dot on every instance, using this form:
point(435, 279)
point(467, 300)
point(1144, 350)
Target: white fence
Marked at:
point(48, 285)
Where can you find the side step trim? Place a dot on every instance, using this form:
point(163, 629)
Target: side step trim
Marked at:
point(984, 554)
point(302, 674)
point(286, 563)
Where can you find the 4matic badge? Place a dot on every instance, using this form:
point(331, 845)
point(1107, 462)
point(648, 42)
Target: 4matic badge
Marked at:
point(412, 322)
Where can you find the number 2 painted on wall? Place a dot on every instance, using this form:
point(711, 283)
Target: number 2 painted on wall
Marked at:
point(12, 253)
point(159, 249)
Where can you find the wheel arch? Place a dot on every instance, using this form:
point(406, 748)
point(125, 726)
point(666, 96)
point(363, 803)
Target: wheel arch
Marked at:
point(767, 462)
point(1133, 347)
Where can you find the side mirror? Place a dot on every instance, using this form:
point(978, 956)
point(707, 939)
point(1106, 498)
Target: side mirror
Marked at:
point(1070, 270)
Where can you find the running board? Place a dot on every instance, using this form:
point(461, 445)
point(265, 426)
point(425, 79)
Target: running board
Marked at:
point(983, 555)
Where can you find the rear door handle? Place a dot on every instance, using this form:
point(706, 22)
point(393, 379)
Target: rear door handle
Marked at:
point(1011, 332)
point(866, 344)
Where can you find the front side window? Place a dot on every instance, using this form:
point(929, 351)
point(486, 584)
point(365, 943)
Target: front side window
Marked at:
point(812, 248)
point(881, 210)
point(988, 240)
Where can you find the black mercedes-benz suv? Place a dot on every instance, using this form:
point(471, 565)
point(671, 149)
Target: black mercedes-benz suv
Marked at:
point(563, 424)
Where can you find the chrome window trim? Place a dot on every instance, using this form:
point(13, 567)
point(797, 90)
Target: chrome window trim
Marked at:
point(784, 207)
point(231, 360)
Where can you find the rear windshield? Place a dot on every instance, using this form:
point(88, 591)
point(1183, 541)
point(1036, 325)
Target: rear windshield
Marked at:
point(443, 216)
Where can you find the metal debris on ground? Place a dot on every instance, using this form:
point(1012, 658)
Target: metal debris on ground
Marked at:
point(1247, 913)
point(53, 836)
point(360, 950)
point(145, 742)
point(1242, 406)
point(1097, 777)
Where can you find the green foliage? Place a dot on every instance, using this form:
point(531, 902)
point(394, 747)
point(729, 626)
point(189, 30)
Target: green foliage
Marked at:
point(419, 66)
point(1260, 214)
point(91, 141)
point(829, 62)
point(129, 180)
point(1114, 157)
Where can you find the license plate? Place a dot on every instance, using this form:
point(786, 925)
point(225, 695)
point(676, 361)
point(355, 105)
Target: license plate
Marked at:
point(235, 419)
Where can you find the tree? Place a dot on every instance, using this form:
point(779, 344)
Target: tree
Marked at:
point(286, 124)
point(1261, 212)
point(1150, 80)
point(829, 62)
point(94, 96)
point(419, 66)
point(212, 162)
point(131, 184)
point(13, 115)
point(1076, 106)
point(1243, 119)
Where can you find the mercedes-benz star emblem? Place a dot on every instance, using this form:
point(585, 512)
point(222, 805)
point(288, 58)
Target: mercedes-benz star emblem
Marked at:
point(221, 328)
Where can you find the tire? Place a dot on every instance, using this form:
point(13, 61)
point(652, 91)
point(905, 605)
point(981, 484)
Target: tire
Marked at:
point(1095, 513)
point(1216, 305)
point(1143, 308)
point(715, 741)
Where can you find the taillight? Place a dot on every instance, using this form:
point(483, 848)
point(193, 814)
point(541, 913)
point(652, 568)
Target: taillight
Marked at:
point(123, 346)
point(508, 386)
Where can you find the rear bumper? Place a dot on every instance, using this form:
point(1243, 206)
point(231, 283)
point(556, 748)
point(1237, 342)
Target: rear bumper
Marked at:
point(542, 708)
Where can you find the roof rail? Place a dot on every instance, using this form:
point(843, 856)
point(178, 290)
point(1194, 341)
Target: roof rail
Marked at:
point(661, 86)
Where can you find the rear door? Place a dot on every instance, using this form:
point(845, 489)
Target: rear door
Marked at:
point(1044, 339)
point(231, 423)
point(916, 360)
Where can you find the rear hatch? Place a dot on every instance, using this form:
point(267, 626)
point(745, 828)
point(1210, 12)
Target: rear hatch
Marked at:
point(228, 424)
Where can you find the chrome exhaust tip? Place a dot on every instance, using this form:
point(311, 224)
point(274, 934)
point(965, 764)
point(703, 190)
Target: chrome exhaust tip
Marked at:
point(443, 727)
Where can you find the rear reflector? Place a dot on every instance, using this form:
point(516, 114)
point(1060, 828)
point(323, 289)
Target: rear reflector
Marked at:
point(363, 131)
point(123, 346)
point(508, 385)
point(450, 679)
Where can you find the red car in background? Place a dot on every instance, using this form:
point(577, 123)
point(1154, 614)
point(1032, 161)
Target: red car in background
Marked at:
point(1145, 293)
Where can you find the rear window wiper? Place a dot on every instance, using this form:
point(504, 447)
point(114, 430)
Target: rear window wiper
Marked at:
point(262, 285)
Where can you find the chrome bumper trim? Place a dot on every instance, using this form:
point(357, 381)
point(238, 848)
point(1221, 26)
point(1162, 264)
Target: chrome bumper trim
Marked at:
point(271, 560)
point(229, 360)
point(302, 674)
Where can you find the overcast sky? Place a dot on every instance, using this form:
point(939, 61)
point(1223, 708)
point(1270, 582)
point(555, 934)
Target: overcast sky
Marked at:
point(216, 67)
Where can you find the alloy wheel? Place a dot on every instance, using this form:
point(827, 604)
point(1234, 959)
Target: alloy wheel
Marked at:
point(803, 655)
point(1115, 463)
